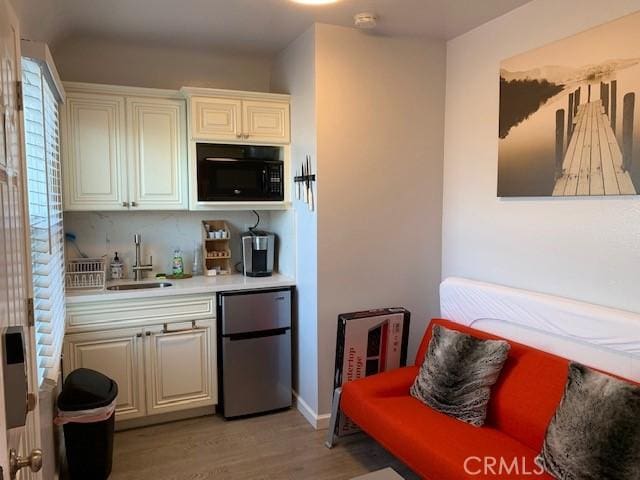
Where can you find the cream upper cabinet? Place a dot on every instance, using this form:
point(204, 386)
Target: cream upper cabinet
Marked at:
point(124, 148)
point(179, 368)
point(93, 146)
point(117, 354)
point(238, 117)
point(265, 122)
point(157, 152)
point(216, 118)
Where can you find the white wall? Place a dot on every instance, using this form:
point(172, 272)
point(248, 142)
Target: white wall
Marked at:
point(294, 72)
point(584, 248)
point(372, 108)
point(380, 136)
point(94, 60)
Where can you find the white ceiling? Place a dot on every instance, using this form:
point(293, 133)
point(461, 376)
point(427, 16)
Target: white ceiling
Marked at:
point(261, 26)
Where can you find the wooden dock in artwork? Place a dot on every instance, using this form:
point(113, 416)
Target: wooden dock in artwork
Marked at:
point(593, 162)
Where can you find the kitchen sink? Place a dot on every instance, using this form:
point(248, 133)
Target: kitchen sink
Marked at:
point(139, 286)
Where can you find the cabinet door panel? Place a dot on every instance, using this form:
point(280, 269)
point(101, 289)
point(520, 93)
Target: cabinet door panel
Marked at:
point(266, 121)
point(179, 370)
point(117, 354)
point(93, 141)
point(216, 118)
point(157, 149)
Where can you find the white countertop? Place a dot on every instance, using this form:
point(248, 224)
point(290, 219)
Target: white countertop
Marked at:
point(199, 284)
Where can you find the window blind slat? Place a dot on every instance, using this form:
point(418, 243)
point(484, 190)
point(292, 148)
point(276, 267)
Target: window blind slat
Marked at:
point(45, 214)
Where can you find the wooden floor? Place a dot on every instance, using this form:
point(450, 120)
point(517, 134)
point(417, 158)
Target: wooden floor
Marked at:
point(280, 446)
point(593, 162)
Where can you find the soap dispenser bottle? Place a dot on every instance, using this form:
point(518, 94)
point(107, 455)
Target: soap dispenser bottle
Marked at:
point(117, 268)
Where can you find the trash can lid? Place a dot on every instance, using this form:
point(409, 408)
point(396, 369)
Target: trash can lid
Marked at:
point(85, 389)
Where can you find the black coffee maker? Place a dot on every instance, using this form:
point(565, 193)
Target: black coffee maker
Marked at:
point(258, 249)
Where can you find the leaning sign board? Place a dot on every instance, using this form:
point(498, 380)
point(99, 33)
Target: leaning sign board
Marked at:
point(368, 342)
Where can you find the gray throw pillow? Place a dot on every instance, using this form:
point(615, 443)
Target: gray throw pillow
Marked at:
point(595, 432)
point(458, 372)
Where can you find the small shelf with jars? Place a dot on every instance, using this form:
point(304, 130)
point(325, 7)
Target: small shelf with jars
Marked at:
point(216, 246)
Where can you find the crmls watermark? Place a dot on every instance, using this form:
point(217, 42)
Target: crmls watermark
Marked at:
point(502, 466)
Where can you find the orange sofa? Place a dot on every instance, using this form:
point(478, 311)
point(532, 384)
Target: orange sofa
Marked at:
point(438, 447)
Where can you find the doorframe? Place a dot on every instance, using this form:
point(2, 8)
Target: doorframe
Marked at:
point(25, 435)
point(32, 438)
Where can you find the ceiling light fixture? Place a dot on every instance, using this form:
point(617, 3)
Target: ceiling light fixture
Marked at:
point(365, 20)
point(315, 2)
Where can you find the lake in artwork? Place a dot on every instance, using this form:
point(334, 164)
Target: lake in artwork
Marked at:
point(569, 123)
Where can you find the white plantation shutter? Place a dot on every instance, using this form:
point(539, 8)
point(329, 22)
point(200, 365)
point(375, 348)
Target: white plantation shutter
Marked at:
point(45, 216)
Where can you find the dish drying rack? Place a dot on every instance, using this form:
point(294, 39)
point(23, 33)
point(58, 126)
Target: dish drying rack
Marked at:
point(86, 273)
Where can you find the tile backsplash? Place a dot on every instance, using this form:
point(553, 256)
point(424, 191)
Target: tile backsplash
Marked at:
point(103, 233)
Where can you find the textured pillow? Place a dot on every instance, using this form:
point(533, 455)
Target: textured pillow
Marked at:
point(595, 432)
point(458, 372)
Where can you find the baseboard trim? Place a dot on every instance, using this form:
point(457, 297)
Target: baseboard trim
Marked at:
point(164, 418)
point(319, 422)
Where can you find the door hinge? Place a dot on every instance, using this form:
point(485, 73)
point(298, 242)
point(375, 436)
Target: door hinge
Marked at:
point(19, 102)
point(31, 317)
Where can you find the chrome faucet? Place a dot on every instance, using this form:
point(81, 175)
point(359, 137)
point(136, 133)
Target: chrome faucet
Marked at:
point(138, 269)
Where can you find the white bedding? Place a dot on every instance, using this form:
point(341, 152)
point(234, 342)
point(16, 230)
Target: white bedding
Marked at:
point(601, 337)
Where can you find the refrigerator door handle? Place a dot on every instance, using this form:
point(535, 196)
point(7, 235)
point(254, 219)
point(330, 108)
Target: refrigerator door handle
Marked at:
point(234, 337)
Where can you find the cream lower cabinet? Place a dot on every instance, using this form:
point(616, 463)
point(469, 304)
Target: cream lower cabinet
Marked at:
point(164, 361)
point(119, 355)
point(178, 368)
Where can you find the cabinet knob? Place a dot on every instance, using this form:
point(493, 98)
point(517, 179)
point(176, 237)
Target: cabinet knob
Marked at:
point(125, 204)
point(134, 204)
point(246, 135)
point(238, 135)
point(139, 335)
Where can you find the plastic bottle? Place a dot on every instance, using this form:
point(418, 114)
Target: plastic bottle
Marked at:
point(177, 264)
point(196, 269)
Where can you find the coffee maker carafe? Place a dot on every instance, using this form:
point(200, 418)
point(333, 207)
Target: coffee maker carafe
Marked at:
point(258, 249)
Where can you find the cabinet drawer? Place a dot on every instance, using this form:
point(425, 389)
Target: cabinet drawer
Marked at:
point(101, 314)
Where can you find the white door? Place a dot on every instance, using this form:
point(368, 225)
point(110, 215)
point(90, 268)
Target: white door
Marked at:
point(118, 354)
point(93, 149)
point(13, 246)
point(157, 154)
point(216, 118)
point(265, 122)
point(180, 367)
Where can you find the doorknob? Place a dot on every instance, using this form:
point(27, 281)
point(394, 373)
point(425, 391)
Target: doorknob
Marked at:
point(33, 461)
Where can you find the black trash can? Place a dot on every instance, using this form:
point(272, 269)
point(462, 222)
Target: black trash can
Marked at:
point(86, 406)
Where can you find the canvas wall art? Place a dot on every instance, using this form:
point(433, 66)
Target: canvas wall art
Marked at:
point(569, 116)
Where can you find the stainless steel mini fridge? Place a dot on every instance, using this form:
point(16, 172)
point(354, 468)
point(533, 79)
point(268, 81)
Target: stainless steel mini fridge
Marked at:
point(254, 351)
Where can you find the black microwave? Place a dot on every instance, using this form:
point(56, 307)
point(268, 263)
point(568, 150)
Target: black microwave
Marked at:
point(239, 173)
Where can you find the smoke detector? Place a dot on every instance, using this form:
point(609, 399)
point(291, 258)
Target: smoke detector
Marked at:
point(365, 20)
